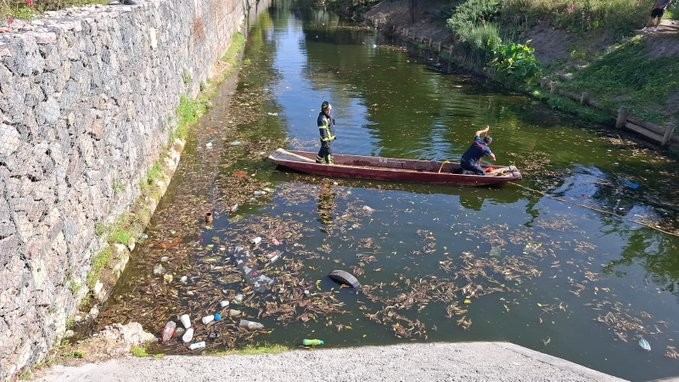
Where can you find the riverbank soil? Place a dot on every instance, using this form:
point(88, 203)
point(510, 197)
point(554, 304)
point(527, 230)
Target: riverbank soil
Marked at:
point(563, 55)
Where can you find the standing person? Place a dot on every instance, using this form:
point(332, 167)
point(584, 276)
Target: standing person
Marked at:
point(471, 159)
point(656, 15)
point(325, 123)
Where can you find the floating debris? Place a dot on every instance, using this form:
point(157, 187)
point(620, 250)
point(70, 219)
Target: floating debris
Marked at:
point(344, 277)
point(644, 344)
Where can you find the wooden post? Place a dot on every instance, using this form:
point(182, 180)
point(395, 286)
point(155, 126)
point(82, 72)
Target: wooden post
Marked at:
point(583, 98)
point(623, 112)
point(552, 87)
point(438, 49)
point(450, 57)
point(667, 138)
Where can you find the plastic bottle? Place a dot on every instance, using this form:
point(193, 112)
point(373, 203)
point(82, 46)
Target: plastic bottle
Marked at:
point(234, 312)
point(168, 332)
point(186, 320)
point(312, 342)
point(197, 345)
point(252, 325)
point(208, 319)
point(188, 336)
point(224, 304)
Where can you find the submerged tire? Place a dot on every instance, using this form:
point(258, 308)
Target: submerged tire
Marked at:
point(344, 277)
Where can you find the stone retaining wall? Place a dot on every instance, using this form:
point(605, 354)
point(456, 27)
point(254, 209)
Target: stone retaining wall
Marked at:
point(88, 100)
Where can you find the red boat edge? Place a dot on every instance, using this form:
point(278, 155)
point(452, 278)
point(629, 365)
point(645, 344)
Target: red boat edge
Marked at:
point(391, 169)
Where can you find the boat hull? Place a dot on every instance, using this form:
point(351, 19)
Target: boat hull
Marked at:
point(391, 169)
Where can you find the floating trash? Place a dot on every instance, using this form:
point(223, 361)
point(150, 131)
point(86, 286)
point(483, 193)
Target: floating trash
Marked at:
point(168, 331)
point(344, 277)
point(644, 344)
point(312, 342)
point(632, 185)
point(188, 335)
point(252, 325)
point(186, 320)
point(254, 277)
point(207, 319)
point(208, 145)
point(158, 270)
point(235, 143)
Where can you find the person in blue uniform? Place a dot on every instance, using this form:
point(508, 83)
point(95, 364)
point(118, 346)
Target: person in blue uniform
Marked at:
point(471, 159)
point(326, 124)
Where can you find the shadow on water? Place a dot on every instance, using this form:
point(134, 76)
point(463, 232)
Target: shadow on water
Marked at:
point(556, 263)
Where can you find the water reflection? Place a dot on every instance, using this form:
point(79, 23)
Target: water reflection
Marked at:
point(326, 204)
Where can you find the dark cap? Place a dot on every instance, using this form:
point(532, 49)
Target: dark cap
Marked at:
point(487, 139)
point(326, 105)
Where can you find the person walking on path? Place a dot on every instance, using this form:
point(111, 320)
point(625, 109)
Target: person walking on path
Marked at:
point(471, 159)
point(656, 15)
point(325, 123)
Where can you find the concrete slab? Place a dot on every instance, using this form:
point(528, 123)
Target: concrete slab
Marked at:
point(469, 361)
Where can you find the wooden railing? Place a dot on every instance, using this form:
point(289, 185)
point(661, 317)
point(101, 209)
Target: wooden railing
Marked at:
point(663, 135)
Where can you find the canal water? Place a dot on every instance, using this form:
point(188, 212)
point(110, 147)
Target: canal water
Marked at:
point(580, 260)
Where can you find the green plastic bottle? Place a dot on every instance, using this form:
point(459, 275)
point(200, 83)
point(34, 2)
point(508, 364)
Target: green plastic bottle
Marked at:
point(313, 342)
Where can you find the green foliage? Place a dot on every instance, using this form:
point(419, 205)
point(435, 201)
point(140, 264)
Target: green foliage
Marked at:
point(26, 375)
point(186, 77)
point(25, 13)
point(188, 112)
point(472, 13)
point(121, 235)
point(75, 287)
point(118, 188)
point(100, 261)
point(100, 229)
point(579, 15)
point(139, 352)
point(78, 354)
point(628, 77)
point(472, 23)
point(516, 63)
point(251, 350)
point(27, 10)
point(572, 107)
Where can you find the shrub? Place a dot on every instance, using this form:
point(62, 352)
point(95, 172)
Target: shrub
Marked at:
point(516, 63)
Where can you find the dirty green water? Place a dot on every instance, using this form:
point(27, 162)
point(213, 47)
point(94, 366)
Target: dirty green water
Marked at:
point(566, 271)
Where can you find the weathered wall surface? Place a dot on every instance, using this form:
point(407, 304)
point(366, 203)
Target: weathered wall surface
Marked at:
point(88, 99)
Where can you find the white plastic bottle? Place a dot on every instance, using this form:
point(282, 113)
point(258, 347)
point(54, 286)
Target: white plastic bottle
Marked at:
point(186, 320)
point(188, 336)
point(252, 325)
point(208, 319)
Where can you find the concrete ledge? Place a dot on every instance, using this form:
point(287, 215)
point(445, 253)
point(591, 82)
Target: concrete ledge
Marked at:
point(466, 361)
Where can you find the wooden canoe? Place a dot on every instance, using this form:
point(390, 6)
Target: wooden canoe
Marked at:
point(391, 169)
